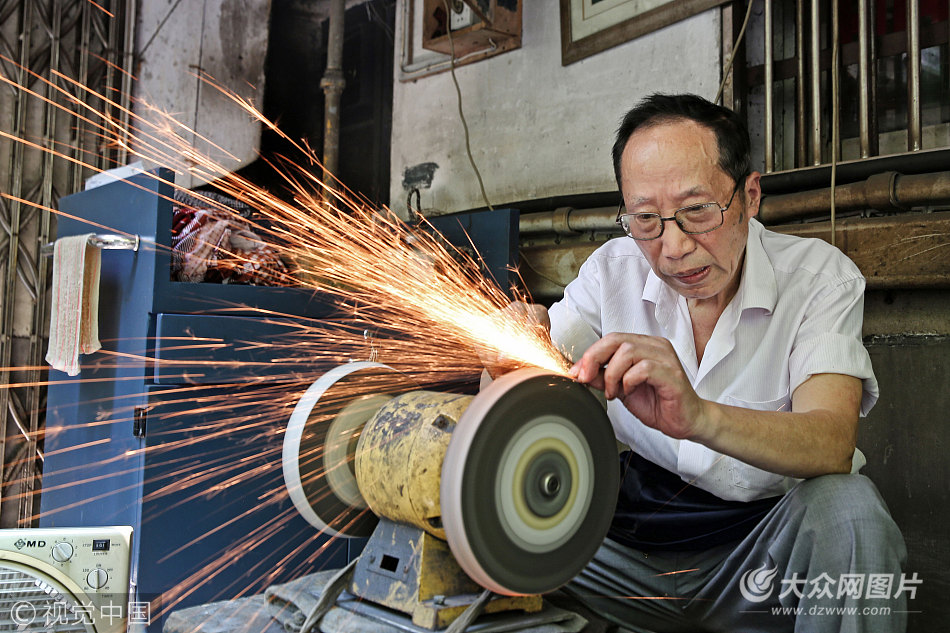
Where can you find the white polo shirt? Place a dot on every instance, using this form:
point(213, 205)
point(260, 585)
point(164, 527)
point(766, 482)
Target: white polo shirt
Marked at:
point(798, 312)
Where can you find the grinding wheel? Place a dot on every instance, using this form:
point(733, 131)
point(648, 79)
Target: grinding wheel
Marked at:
point(320, 445)
point(529, 482)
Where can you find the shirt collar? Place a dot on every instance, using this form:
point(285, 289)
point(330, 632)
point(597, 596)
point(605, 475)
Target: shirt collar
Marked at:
point(662, 297)
point(757, 288)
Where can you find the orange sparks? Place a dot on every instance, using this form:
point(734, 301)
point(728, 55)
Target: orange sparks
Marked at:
point(101, 8)
point(435, 310)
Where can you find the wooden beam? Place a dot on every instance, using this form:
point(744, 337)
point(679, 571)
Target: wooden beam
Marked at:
point(893, 252)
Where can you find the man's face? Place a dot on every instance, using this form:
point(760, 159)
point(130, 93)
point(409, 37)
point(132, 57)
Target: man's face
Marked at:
point(668, 166)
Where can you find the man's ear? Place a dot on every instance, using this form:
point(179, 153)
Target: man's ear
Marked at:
point(753, 194)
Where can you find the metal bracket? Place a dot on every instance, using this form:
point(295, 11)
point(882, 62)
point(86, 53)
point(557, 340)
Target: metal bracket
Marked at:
point(882, 191)
point(106, 242)
point(139, 419)
point(561, 221)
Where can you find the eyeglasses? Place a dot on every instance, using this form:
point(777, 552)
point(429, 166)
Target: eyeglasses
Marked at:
point(694, 219)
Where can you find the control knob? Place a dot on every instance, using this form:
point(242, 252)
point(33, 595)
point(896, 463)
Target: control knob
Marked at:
point(97, 578)
point(62, 552)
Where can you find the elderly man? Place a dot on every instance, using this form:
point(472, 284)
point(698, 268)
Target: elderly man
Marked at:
point(732, 360)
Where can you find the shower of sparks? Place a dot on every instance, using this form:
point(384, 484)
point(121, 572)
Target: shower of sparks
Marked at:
point(376, 266)
point(407, 298)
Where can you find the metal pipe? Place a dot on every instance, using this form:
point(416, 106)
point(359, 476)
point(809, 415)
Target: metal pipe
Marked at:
point(922, 162)
point(884, 191)
point(913, 75)
point(873, 140)
point(815, 83)
point(728, 50)
point(568, 221)
point(801, 137)
point(113, 76)
point(835, 136)
point(332, 84)
point(864, 81)
point(769, 105)
point(883, 248)
point(103, 241)
point(888, 191)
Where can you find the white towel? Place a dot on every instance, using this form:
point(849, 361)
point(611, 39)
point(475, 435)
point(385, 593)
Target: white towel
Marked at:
point(74, 316)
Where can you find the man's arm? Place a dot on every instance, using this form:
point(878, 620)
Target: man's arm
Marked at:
point(816, 437)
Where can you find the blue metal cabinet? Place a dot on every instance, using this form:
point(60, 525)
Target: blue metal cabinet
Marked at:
point(128, 441)
point(495, 236)
point(216, 520)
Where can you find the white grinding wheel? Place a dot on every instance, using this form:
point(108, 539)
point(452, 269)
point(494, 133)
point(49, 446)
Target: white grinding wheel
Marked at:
point(320, 444)
point(529, 483)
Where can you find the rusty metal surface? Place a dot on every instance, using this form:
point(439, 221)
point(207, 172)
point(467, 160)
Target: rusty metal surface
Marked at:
point(246, 615)
point(399, 457)
point(569, 221)
point(284, 608)
point(333, 84)
point(547, 267)
point(909, 250)
point(913, 76)
point(881, 192)
point(801, 137)
point(906, 251)
point(815, 80)
point(865, 98)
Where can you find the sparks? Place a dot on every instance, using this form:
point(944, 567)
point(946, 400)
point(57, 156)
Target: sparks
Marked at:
point(439, 313)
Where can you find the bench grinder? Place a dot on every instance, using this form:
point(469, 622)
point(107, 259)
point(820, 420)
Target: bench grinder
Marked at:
point(511, 490)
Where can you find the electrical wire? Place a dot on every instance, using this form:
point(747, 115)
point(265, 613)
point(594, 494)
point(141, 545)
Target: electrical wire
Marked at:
point(458, 92)
point(835, 123)
point(732, 58)
point(373, 15)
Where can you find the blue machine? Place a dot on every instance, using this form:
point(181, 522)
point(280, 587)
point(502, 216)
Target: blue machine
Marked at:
point(132, 443)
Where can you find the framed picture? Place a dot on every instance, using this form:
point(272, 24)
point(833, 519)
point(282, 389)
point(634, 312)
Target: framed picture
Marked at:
point(592, 26)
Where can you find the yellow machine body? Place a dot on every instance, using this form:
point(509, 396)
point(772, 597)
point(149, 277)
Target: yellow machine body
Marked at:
point(399, 457)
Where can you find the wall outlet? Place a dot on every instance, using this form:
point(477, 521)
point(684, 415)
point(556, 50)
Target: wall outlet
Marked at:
point(461, 16)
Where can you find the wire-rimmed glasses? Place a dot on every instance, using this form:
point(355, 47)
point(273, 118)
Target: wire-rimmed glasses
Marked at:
point(694, 219)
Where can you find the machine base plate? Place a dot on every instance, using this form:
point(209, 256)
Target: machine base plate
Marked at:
point(411, 571)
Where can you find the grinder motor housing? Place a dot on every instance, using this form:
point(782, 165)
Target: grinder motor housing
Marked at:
point(510, 490)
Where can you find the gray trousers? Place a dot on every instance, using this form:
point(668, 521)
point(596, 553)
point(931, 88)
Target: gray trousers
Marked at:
point(828, 557)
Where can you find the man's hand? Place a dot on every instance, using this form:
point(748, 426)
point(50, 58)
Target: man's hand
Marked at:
point(536, 316)
point(645, 374)
point(816, 437)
